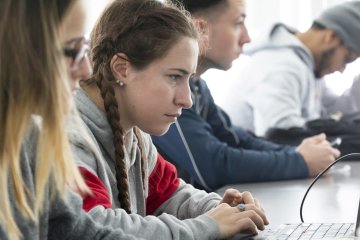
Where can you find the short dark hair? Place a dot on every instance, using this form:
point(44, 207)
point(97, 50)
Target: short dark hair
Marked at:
point(317, 26)
point(194, 6)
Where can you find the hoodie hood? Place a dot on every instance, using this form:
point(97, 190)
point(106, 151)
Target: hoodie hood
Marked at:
point(98, 125)
point(280, 36)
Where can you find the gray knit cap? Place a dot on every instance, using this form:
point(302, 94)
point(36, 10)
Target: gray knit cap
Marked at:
point(344, 20)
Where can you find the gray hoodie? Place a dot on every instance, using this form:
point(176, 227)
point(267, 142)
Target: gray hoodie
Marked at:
point(179, 217)
point(59, 219)
point(278, 86)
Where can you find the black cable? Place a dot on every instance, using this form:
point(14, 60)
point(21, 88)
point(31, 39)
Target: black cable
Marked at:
point(320, 174)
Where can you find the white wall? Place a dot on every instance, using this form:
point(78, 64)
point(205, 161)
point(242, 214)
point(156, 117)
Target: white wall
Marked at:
point(95, 8)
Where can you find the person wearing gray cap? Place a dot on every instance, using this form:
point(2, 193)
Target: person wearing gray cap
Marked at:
point(282, 84)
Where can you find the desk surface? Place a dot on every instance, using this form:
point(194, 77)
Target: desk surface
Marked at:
point(333, 198)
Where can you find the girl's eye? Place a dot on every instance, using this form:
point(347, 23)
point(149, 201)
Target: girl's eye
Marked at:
point(175, 77)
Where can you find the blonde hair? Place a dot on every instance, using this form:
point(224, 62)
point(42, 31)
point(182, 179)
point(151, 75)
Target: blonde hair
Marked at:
point(33, 81)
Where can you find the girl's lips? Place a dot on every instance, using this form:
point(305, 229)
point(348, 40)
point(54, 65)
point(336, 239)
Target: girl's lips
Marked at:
point(173, 116)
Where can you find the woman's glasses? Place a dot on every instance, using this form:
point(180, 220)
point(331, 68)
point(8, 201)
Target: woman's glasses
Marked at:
point(76, 49)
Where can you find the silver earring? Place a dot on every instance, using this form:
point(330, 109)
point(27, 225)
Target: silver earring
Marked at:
point(121, 83)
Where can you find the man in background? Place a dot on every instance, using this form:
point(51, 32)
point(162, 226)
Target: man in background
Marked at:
point(282, 87)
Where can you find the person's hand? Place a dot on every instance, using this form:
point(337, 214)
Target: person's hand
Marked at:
point(232, 221)
point(317, 153)
point(232, 197)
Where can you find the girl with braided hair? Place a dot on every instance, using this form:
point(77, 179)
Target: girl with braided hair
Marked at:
point(143, 53)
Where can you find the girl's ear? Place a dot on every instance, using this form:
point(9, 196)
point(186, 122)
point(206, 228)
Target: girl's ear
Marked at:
point(204, 30)
point(119, 65)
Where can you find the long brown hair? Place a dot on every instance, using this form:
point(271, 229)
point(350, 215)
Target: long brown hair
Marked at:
point(144, 30)
point(33, 80)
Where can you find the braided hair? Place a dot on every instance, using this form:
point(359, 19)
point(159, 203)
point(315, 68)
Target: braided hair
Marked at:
point(143, 30)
